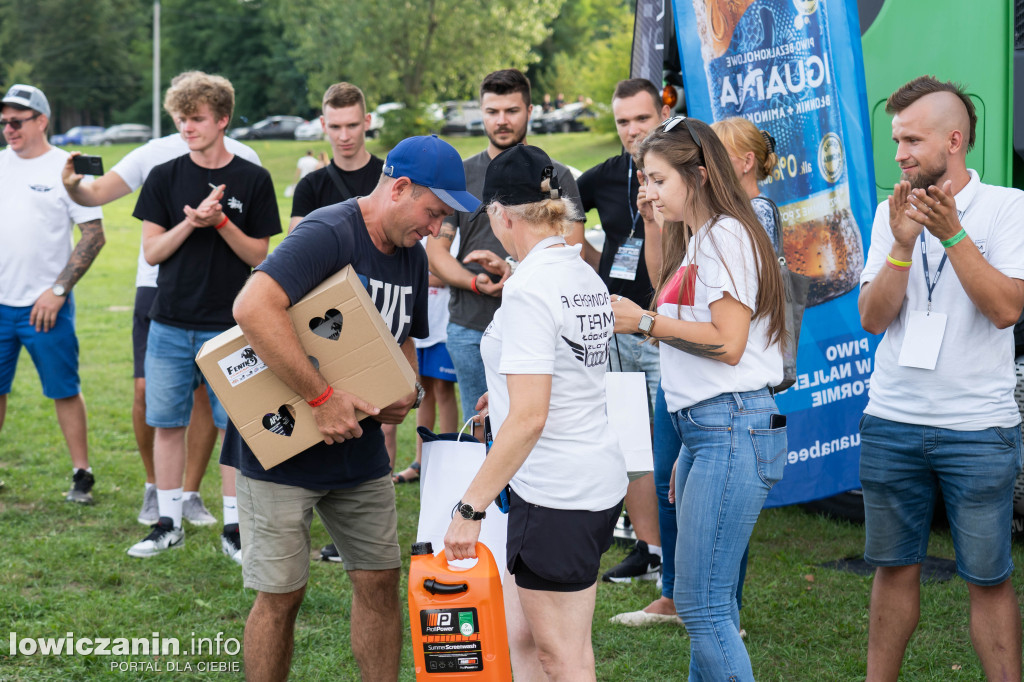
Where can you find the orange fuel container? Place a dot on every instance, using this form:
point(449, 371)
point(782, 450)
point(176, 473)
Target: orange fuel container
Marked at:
point(457, 617)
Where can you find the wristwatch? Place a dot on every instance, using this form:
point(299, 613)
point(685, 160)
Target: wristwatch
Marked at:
point(646, 323)
point(420, 393)
point(59, 290)
point(468, 513)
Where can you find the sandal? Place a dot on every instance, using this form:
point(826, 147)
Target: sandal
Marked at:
point(407, 478)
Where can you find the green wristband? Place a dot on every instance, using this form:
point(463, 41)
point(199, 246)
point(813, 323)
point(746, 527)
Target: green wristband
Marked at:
point(954, 240)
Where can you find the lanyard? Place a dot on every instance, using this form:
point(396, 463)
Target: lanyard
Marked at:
point(928, 282)
point(634, 212)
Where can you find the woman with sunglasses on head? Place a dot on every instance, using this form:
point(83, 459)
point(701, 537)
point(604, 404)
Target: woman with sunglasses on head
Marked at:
point(545, 355)
point(720, 326)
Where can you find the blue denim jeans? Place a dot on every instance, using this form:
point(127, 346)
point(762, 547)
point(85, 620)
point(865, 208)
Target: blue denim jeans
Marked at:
point(666, 451)
point(902, 466)
point(730, 459)
point(464, 348)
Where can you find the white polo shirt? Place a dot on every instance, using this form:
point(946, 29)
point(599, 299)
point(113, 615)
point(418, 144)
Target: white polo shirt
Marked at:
point(971, 387)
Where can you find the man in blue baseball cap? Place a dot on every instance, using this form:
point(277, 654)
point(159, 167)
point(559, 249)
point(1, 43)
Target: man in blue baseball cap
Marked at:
point(346, 478)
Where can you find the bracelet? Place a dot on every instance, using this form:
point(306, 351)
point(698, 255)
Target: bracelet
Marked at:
point(954, 240)
point(221, 223)
point(897, 264)
point(322, 398)
point(472, 285)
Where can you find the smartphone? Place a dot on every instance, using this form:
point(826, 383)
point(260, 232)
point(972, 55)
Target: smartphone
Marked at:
point(777, 421)
point(87, 164)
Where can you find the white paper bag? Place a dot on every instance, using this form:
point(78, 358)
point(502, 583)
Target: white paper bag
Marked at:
point(629, 418)
point(446, 470)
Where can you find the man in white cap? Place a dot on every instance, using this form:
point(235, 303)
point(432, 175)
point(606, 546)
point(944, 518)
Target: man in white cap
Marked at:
point(347, 477)
point(39, 268)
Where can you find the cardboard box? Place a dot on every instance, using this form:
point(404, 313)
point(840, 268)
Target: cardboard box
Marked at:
point(345, 337)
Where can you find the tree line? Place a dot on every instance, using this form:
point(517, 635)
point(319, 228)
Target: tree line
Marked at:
point(94, 59)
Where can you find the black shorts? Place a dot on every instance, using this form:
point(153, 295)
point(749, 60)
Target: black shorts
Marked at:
point(140, 327)
point(557, 550)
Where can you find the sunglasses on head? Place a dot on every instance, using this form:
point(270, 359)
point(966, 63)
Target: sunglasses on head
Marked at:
point(671, 123)
point(16, 123)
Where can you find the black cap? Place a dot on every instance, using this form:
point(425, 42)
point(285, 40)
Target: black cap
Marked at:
point(419, 548)
point(514, 177)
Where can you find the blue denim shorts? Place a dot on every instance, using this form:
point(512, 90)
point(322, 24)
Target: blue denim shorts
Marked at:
point(172, 376)
point(54, 353)
point(902, 466)
point(463, 346)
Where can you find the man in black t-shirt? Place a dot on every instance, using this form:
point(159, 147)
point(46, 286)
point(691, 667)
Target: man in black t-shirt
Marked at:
point(346, 478)
point(353, 172)
point(612, 187)
point(206, 243)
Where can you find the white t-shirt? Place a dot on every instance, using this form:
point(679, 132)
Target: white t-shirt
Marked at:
point(556, 318)
point(719, 259)
point(134, 169)
point(437, 307)
point(971, 387)
point(36, 223)
point(306, 165)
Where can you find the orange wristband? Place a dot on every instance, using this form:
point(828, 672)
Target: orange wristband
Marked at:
point(221, 223)
point(322, 398)
point(472, 285)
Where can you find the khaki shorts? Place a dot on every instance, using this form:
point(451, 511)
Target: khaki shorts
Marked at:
point(274, 524)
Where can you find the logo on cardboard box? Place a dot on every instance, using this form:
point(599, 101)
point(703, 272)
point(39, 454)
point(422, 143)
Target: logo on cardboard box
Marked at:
point(241, 365)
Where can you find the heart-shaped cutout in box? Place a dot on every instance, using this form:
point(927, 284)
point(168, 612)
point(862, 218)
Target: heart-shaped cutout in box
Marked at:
point(328, 326)
point(282, 422)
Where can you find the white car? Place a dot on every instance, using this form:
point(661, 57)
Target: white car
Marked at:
point(310, 130)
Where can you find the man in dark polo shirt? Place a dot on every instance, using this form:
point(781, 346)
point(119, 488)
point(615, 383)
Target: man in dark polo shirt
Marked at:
point(611, 187)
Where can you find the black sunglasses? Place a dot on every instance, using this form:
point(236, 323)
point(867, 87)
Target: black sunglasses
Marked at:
point(16, 123)
point(671, 123)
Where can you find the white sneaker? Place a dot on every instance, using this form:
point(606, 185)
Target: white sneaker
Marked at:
point(637, 619)
point(150, 511)
point(162, 537)
point(195, 512)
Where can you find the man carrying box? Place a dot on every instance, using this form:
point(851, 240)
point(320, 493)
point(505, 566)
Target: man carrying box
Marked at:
point(346, 478)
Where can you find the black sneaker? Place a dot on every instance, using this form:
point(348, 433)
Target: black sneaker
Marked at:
point(639, 564)
point(330, 553)
point(81, 485)
point(163, 537)
point(231, 542)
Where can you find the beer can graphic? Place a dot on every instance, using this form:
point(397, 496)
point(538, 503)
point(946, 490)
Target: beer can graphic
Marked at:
point(770, 61)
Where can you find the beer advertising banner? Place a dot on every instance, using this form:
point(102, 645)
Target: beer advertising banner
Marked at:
point(794, 68)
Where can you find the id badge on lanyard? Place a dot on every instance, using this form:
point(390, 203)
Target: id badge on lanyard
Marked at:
point(627, 257)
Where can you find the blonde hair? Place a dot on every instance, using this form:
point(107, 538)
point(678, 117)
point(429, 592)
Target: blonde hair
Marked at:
point(741, 136)
point(553, 217)
point(192, 89)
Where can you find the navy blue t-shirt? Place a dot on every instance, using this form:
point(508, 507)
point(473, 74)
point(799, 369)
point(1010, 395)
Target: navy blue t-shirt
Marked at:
point(326, 241)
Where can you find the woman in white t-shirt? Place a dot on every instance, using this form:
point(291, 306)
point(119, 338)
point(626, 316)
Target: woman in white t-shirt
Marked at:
point(720, 325)
point(545, 354)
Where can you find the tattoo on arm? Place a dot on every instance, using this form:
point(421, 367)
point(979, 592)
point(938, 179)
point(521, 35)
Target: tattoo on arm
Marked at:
point(701, 350)
point(84, 254)
point(447, 232)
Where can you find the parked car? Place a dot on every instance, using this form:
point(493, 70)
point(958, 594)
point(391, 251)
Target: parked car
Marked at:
point(462, 118)
point(310, 130)
point(79, 135)
point(270, 128)
point(569, 119)
point(126, 133)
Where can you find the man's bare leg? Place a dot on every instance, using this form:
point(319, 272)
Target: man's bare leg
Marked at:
point(270, 635)
point(72, 420)
point(200, 440)
point(895, 611)
point(143, 431)
point(996, 630)
point(377, 641)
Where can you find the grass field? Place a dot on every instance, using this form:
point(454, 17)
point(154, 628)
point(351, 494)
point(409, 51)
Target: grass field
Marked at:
point(63, 568)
